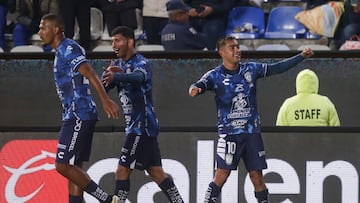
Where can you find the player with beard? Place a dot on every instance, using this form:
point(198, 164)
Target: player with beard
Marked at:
point(131, 75)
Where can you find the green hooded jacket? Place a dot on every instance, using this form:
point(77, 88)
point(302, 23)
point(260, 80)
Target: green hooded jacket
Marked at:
point(307, 107)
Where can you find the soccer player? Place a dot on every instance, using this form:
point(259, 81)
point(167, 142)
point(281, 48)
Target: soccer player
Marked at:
point(73, 74)
point(234, 85)
point(131, 75)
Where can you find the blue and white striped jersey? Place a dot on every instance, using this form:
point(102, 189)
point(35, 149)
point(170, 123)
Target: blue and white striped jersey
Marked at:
point(73, 89)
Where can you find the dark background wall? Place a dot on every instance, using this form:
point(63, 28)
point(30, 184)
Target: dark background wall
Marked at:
point(28, 96)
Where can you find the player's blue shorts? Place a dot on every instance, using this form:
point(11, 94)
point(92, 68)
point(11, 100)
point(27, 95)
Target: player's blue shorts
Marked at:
point(140, 152)
point(249, 147)
point(75, 141)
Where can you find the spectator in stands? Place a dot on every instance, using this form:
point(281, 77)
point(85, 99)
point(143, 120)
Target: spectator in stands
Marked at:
point(119, 13)
point(77, 10)
point(307, 107)
point(30, 13)
point(155, 17)
point(210, 17)
point(349, 23)
point(5, 6)
point(178, 34)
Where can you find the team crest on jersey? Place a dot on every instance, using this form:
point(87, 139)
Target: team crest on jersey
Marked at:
point(248, 78)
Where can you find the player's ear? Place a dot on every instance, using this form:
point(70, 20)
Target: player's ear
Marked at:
point(221, 51)
point(131, 43)
point(57, 29)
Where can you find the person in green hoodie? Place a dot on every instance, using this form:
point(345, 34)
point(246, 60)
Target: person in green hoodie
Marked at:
point(307, 107)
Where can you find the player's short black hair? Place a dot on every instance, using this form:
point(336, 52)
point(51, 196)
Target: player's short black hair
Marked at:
point(127, 32)
point(222, 41)
point(55, 18)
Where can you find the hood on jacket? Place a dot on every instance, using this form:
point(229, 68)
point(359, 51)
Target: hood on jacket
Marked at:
point(307, 82)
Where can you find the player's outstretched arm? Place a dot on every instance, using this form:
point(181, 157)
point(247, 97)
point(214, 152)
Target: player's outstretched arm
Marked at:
point(110, 107)
point(286, 64)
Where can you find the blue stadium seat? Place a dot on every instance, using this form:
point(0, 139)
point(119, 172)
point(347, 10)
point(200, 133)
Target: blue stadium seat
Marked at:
point(283, 25)
point(311, 35)
point(241, 18)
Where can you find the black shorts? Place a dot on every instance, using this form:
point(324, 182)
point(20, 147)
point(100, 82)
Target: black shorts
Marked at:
point(140, 152)
point(249, 147)
point(75, 141)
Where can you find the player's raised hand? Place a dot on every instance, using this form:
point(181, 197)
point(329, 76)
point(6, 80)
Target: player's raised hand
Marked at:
point(194, 91)
point(108, 74)
point(307, 52)
point(114, 68)
point(107, 77)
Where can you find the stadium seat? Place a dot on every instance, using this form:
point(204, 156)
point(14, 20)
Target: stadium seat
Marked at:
point(318, 47)
point(241, 17)
point(96, 24)
point(103, 48)
point(311, 35)
point(283, 25)
point(244, 48)
point(105, 35)
point(273, 47)
point(150, 47)
point(27, 48)
point(139, 30)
